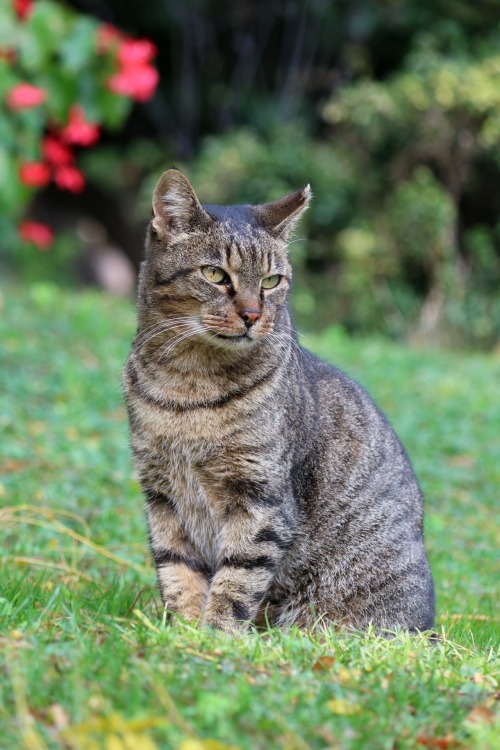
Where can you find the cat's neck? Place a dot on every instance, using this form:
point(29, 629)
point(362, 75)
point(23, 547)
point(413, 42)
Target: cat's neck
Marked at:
point(196, 369)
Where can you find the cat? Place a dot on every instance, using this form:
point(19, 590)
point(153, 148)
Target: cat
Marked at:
point(276, 491)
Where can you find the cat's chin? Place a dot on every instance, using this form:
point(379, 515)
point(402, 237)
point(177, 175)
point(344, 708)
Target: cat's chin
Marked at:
point(242, 341)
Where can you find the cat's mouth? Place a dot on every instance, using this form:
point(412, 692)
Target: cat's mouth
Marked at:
point(231, 340)
point(234, 338)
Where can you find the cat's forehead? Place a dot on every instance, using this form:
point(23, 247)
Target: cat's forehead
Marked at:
point(242, 243)
point(231, 216)
point(237, 224)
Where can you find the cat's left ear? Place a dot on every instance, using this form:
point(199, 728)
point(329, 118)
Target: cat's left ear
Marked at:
point(279, 217)
point(176, 209)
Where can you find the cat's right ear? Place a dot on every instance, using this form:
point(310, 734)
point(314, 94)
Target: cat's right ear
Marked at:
point(176, 209)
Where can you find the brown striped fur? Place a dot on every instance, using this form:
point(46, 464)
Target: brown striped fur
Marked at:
point(275, 488)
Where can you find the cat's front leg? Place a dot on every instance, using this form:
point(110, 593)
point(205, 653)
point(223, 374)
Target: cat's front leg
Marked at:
point(253, 541)
point(182, 574)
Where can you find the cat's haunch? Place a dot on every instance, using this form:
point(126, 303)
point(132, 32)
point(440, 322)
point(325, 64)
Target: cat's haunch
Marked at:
point(276, 491)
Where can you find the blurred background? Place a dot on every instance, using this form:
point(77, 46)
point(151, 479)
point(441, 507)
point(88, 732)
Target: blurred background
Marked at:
point(389, 109)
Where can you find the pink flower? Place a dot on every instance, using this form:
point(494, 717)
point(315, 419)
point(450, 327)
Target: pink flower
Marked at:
point(34, 174)
point(39, 234)
point(25, 96)
point(69, 178)
point(139, 82)
point(23, 8)
point(136, 52)
point(78, 131)
point(56, 152)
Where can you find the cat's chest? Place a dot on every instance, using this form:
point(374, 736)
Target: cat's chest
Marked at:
point(196, 473)
point(196, 506)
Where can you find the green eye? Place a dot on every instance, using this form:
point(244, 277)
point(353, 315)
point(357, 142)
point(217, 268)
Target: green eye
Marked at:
point(214, 274)
point(271, 281)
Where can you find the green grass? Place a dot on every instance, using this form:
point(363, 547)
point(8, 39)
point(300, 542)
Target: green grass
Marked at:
point(86, 663)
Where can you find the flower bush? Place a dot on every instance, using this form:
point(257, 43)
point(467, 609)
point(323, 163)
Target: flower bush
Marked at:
point(63, 77)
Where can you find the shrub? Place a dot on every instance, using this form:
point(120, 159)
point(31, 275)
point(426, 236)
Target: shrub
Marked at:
point(424, 137)
point(63, 76)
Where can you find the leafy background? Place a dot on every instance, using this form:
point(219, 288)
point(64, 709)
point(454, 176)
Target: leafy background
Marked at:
point(391, 110)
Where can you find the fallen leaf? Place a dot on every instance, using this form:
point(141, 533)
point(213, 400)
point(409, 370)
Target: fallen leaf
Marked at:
point(347, 676)
point(461, 461)
point(481, 713)
point(195, 744)
point(324, 663)
point(437, 743)
point(36, 428)
point(59, 716)
point(11, 465)
point(342, 707)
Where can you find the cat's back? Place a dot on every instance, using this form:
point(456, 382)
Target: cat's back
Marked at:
point(360, 504)
point(357, 455)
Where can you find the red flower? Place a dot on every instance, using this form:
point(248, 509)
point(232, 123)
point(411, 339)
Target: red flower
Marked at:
point(135, 53)
point(34, 174)
point(137, 82)
point(40, 235)
point(78, 131)
point(69, 178)
point(56, 152)
point(108, 36)
point(23, 9)
point(25, 96)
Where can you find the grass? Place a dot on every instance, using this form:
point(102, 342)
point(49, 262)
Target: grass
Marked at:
point(85, 660)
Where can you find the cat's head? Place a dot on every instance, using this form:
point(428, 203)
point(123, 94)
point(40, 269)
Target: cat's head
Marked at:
point(219, 272)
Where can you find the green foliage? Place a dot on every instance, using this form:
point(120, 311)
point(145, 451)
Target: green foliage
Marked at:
point(387, 248)
point(85, 660)
point(390, 110)
point(422, 135)
point(262, 63)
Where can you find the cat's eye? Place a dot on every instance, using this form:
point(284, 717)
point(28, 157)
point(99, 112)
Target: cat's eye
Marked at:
point(214, 274)
point(271, 281)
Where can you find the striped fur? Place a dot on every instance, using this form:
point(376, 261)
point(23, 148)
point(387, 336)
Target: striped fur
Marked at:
point(275, 489)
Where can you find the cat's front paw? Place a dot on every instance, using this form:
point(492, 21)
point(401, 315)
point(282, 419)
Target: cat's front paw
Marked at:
point(221, 613)
point(230, 625)
point(190, 610)
point(191, 616)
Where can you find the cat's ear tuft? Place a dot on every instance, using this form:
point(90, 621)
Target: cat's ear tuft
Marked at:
point(279, 217)
point(176, 209)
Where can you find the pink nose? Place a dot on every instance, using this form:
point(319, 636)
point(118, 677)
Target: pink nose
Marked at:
point(250, 316)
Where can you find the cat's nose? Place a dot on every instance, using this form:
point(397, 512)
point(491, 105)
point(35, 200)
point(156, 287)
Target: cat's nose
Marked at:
point(250, 316)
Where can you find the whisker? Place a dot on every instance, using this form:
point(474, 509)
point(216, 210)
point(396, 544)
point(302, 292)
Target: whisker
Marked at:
point(291, 328)
point(166, 322)
point(171, 345)
point(144, 331)
point(217, 345)
point(162, 330)
point(175, 319)
point(165, 348)
point(296, 350)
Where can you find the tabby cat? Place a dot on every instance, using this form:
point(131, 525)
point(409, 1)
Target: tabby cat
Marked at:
point(276, 490)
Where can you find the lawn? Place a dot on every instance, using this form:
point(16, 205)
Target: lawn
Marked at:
point(86, 662)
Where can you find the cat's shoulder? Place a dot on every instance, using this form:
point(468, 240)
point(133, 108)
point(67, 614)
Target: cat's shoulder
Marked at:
point(336, 389)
